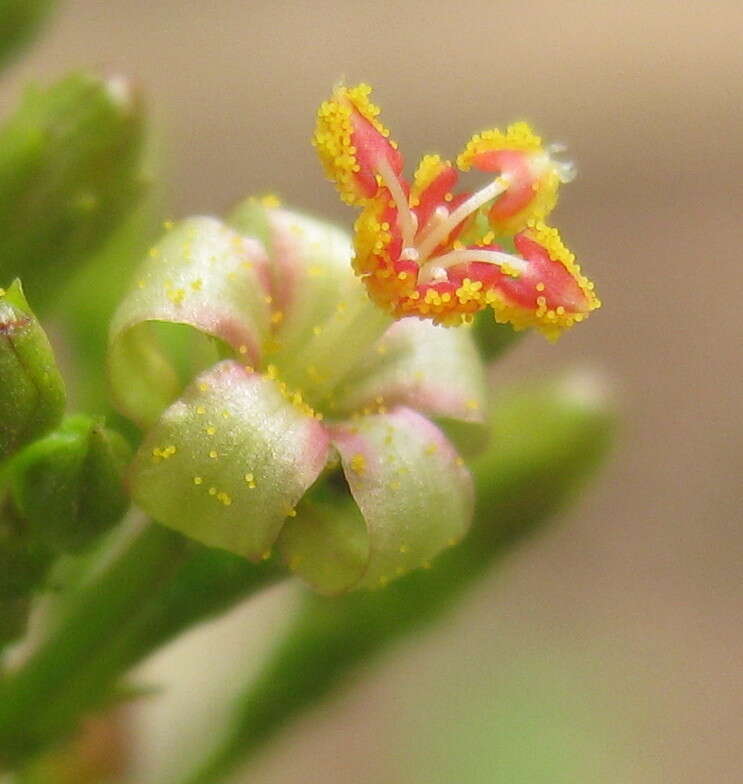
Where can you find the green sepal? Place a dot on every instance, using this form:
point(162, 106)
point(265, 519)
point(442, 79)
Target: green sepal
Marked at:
point(70, 172)
point(32, 393)
point(68, 487)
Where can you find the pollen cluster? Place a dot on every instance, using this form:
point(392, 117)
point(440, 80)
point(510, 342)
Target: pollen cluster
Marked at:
point(334, 142)
point(425, 250)
point(518, 136)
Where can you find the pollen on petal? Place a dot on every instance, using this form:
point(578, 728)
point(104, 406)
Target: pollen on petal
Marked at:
point(518, 136)
point(553, 294)
point(519, 157)
point(349, 139)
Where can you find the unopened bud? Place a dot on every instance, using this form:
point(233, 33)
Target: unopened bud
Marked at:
point(68, 487)
point(32, 394)
point(70, 172)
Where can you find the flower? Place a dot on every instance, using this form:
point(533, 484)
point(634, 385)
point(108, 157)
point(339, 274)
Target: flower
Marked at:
point(303, 383)
point(424, 250)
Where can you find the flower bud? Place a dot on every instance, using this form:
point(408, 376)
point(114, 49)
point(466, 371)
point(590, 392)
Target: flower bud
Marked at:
point(69, 174)
point(19, 20)
point(68, 486)
point(32, 394)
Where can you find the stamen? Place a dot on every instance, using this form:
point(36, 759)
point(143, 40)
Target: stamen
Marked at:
point(431, 271)
point(498, 186)
point(438, 216)
point(406, 220)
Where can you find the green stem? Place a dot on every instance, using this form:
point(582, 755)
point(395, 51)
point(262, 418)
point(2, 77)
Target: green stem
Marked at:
point(160, 584)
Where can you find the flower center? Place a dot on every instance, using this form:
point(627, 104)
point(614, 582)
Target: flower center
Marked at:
point(419, 243)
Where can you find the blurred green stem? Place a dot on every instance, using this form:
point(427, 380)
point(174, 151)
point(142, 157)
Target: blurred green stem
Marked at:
point(158, 585)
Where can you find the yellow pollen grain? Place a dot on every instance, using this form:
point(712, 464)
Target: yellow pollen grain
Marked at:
point(448, 196)
point(277, 317)
point(200, 410)
point(358, 463)
point(268, 299)
point(213, 454)
point(203, 387)
point(540, 287)
point(224, 498)
point(168, 225)
point(212, 491)
point(163, 452)
point(211, 430)
point(317, 330)
point(197, 480)
point(242, 349)
point(197, 284)
point(176, 296)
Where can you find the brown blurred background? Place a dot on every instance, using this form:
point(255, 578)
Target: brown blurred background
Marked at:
point(636, 597)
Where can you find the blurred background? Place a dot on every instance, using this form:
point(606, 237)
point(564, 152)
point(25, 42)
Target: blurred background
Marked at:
point(608, 649)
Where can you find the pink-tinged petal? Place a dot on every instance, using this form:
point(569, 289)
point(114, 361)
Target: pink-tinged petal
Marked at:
point(411, 488)
point(227, 462)
point(533, 176)
point(351, 143)
point(203, 275)
point(433, 185)
point(329, 324)
point(421, 365)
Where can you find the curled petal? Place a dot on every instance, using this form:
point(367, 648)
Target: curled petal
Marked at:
point(203, 275)
point(433, 184)
point(227, 463)
point(413, 492)
point(351, 142)
point(427, 367)
point(551, 294)
point(323, 323)
point(533, 178)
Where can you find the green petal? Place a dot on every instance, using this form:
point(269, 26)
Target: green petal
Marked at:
point(414, 494)
point(325, 322)
point(203, 275)
point(229, 460)
point(432, 369)
point(327, 544)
